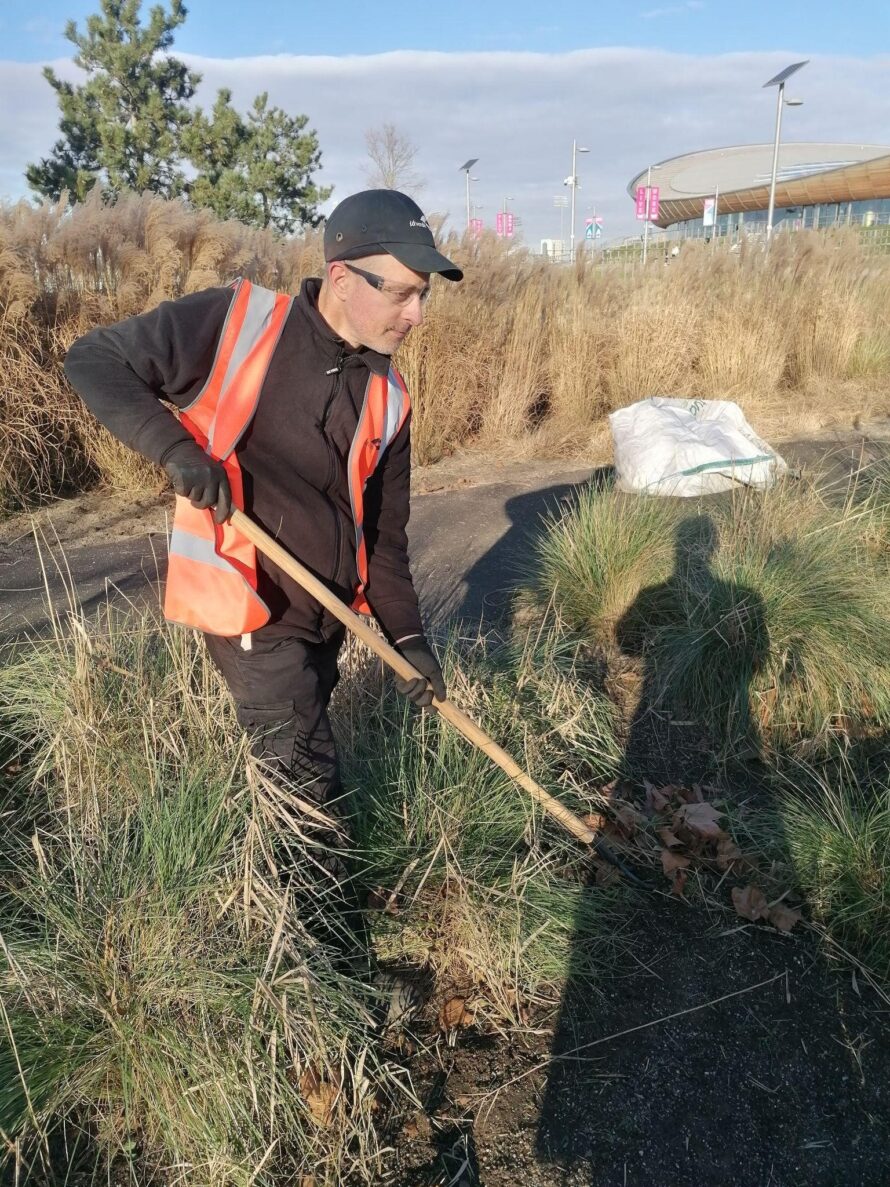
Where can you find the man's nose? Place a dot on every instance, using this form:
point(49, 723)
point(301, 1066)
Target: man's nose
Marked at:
point(414, 311)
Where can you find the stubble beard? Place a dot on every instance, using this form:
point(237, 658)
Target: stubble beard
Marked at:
point(392, 338)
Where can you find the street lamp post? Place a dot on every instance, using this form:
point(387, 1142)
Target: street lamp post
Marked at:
point(573, 182)
point(561, 201)
point(465, 168)
point(779, 81)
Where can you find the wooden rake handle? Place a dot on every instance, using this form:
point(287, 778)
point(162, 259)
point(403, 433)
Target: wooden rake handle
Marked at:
point(461, 722)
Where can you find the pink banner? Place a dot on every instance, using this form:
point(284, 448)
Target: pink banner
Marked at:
point(648, 198)
point(508, 224)
point(499, 223)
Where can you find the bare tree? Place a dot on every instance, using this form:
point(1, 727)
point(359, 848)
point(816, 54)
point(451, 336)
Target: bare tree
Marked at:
point(391, 155)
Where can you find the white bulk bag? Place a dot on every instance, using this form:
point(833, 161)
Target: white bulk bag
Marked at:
point(667, 446)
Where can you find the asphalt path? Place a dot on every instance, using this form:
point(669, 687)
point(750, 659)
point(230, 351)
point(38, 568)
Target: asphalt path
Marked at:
point(470, 546)
point(471, 540)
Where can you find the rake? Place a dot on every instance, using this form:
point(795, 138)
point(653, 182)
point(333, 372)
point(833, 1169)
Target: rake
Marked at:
point(452, 714)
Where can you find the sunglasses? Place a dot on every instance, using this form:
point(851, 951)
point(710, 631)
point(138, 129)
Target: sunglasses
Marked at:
point(398, 294)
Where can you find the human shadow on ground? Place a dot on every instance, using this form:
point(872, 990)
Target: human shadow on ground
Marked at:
point(700, 640)
point(725, 1054)
point(643, 1086)
point(490, 583)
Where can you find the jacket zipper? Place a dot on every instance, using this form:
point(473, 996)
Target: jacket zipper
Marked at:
point(337, 372)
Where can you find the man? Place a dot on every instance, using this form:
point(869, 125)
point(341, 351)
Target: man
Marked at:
point(290, 461)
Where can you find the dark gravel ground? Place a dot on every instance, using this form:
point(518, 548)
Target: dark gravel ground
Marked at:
point(781, 1083)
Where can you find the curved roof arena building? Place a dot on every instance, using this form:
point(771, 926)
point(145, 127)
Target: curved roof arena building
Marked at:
point(817, 185)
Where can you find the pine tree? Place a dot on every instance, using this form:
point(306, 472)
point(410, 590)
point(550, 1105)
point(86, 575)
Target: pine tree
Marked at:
point(257, 170)
point(123, 125)
point(130, 127)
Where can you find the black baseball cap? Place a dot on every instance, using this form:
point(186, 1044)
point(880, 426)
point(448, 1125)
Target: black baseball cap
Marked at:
point(376, 221)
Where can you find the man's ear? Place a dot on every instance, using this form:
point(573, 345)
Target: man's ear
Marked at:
point(337, 276)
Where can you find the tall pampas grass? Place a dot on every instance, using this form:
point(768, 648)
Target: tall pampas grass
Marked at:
point(522, 358)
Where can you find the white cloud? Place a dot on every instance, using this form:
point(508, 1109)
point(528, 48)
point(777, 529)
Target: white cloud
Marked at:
point(516, 112)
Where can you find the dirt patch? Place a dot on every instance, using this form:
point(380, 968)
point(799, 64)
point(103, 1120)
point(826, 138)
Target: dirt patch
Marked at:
point(720, 1054)
point(96, 517)
point(100, 516)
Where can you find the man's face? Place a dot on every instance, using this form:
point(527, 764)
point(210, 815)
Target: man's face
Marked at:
point(379, 318)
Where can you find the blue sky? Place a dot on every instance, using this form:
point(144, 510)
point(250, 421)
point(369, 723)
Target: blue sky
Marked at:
point(233, 28)
point(511, 83)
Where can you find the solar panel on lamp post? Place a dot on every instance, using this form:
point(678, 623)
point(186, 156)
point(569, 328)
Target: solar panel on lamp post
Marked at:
point(779, 81)
point(465, 168)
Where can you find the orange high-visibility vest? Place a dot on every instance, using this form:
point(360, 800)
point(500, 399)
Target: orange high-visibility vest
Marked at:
point(212, 571)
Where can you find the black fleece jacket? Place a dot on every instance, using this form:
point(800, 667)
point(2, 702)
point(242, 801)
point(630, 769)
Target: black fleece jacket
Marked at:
point(293, 456)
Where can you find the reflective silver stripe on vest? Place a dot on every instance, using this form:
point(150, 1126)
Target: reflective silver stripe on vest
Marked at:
point(196, 548)
point(260, 307)
point(232, 445)
point(359, 529)
point(235, 287)
point(397, 404)
point(395, 407)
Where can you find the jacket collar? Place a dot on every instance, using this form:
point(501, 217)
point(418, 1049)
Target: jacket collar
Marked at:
point(335, 346)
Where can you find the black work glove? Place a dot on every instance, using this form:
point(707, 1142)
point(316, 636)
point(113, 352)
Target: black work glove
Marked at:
point(418, 653)
point(197, 476)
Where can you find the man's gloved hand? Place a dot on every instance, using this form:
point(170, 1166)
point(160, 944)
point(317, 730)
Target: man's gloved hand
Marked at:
point(197, 476)
point(417, 652)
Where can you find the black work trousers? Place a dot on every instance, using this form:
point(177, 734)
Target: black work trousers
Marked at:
point(281, 686)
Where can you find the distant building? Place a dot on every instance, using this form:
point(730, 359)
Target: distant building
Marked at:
point(817, 185)
point(554, 249)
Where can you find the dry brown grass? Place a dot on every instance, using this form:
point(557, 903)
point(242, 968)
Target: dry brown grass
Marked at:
point(520, 359)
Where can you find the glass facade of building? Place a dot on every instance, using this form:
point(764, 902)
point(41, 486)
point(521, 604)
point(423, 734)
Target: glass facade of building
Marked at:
point(875, 212)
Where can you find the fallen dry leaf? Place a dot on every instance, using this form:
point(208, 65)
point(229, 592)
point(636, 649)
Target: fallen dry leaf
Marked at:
point(679, 882)
point(628, 820)
point(658, 798)
point(319, 1094)
point(668, 838)
point(727, 852)
point(671, 862)
point(454, 1013)
point(595, 821)
point(701, 819)
point(750, 902)
point(784, 918)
